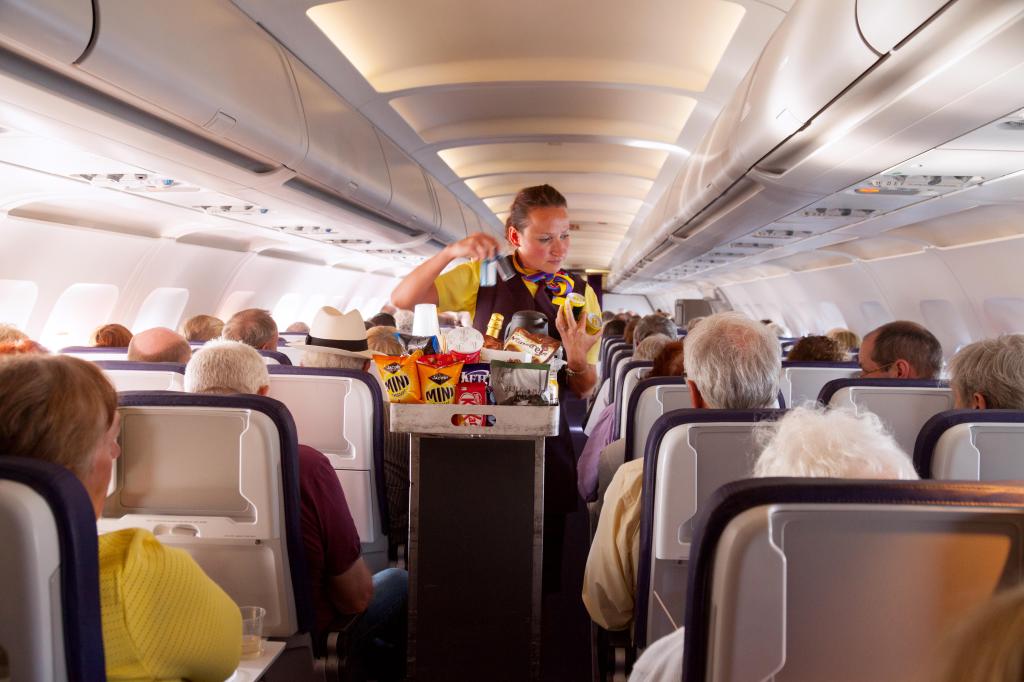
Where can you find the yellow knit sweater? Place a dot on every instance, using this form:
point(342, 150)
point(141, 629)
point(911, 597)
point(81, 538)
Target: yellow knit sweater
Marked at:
point(163, 618)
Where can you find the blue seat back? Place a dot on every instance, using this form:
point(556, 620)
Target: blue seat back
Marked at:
point(972, 445)
point(272, 357)
point(620, 356)
point(904, 405)
point(802, 381)
point(631, 372)
point(218, 476)
point(650, 399)
point(690, 454)
point(819, 579)
point(50, 625)
point(126, 375)
point(341, 414)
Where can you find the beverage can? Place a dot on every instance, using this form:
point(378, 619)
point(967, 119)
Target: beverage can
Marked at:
point(488, 272)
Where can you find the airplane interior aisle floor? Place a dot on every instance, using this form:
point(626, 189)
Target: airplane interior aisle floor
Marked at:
point(565, 625)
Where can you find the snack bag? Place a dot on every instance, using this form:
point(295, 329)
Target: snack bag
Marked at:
point(470, 393)
point(541, 347)
point(427, 345)
point(438, 376)
point(519, 383)
point(401, 381)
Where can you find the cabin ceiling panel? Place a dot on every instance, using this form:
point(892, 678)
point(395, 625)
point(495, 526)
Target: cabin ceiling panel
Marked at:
point(501, 111)
point(618, 185)
point(577, 202)
point(670, 44)
point(575, 157)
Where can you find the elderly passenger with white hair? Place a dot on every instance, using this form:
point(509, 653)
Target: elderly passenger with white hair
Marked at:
point(733, 363)
point(339, 579)
point(989, 374)
point(808, 442)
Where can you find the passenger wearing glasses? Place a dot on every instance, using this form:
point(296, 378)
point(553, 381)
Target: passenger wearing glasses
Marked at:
point(900, 350)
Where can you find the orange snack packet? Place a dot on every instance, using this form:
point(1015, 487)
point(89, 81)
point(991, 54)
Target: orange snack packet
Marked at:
point(401, 380)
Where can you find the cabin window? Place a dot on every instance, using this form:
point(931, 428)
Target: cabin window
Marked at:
point(942, 319)
point(875, 314)
point(162, 308)
point(287, 310)
point(17, 298)
point(79, 310)
point(1006, 315)
point(829, 316)
point(236, 301)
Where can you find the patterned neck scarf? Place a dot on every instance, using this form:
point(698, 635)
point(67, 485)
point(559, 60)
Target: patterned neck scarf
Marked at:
point(558, 284)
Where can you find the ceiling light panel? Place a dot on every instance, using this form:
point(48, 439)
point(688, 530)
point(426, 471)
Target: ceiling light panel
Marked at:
point(618, 185)
point(540, 157)
point(578, 203)
point(444, 115)
point(670, 44)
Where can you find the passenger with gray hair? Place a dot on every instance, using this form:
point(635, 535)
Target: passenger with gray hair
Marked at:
point(253, 327)
point(654, 324)
point(811, 442)
point(732, 363)
point(900, 350)
point(989, 374)
point(403, 320)
point(339, 579)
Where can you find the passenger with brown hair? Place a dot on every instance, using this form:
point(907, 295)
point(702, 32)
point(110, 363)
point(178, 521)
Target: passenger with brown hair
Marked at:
point(669, 361)
point(815, 349)
point(111, 336)
point(900, 350)
point(253, 327)
point(159, 344)
point(202, 328)
point(631, 324)
point(162, 617)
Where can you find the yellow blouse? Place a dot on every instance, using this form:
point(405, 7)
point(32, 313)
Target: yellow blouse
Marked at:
point(457, 291)
point(163, 618)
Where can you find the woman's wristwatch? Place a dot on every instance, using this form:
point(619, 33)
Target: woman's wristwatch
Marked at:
point(570, 372)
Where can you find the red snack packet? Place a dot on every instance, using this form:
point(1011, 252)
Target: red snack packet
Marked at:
point(470, 393)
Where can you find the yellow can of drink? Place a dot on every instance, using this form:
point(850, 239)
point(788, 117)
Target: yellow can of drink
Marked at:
point(576, 302)
point(593, 323)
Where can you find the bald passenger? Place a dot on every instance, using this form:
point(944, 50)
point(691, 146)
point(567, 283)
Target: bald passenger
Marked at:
point(253, 327)
point(159, 344)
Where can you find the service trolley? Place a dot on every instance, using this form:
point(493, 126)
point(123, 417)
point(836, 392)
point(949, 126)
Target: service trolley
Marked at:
point(476, 534)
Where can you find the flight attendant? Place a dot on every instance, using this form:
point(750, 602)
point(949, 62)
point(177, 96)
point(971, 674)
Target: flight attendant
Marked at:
point(538, 230)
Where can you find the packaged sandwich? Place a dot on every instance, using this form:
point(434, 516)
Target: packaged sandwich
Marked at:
point(401, 380)
point(520, 383)
point(438, 376)
point(542, 348)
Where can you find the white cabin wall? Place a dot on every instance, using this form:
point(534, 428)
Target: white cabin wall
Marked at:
point(965, 276)
point(55, 256)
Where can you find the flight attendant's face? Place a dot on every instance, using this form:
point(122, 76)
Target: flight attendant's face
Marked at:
point(544, 244)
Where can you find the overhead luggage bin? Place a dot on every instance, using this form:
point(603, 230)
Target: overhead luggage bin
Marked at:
point(163, 56)
point(344, 152)
point(57, 29)
point(411, 202)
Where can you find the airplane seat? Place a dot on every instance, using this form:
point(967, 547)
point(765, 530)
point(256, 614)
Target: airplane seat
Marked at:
point(631, 373)
point(841, 580)
point(604, 366)
point(621, 356)
point(144, 376)
point(972, 445)
point(605, 342)
point(802, 381)
point(274, 357)
point(650, 399)
point(689, 454)
point(93, 354)
point(903, 405)
point(341, 414)
point(50, 627)
point(218, 476)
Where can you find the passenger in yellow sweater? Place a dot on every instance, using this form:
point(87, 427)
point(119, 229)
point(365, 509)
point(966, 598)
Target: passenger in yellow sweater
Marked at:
point(163, 618)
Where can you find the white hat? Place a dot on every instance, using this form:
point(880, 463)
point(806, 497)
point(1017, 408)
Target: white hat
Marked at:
point(336, 332)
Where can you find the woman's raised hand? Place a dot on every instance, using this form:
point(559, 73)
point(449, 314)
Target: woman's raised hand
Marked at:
point(476, 246)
